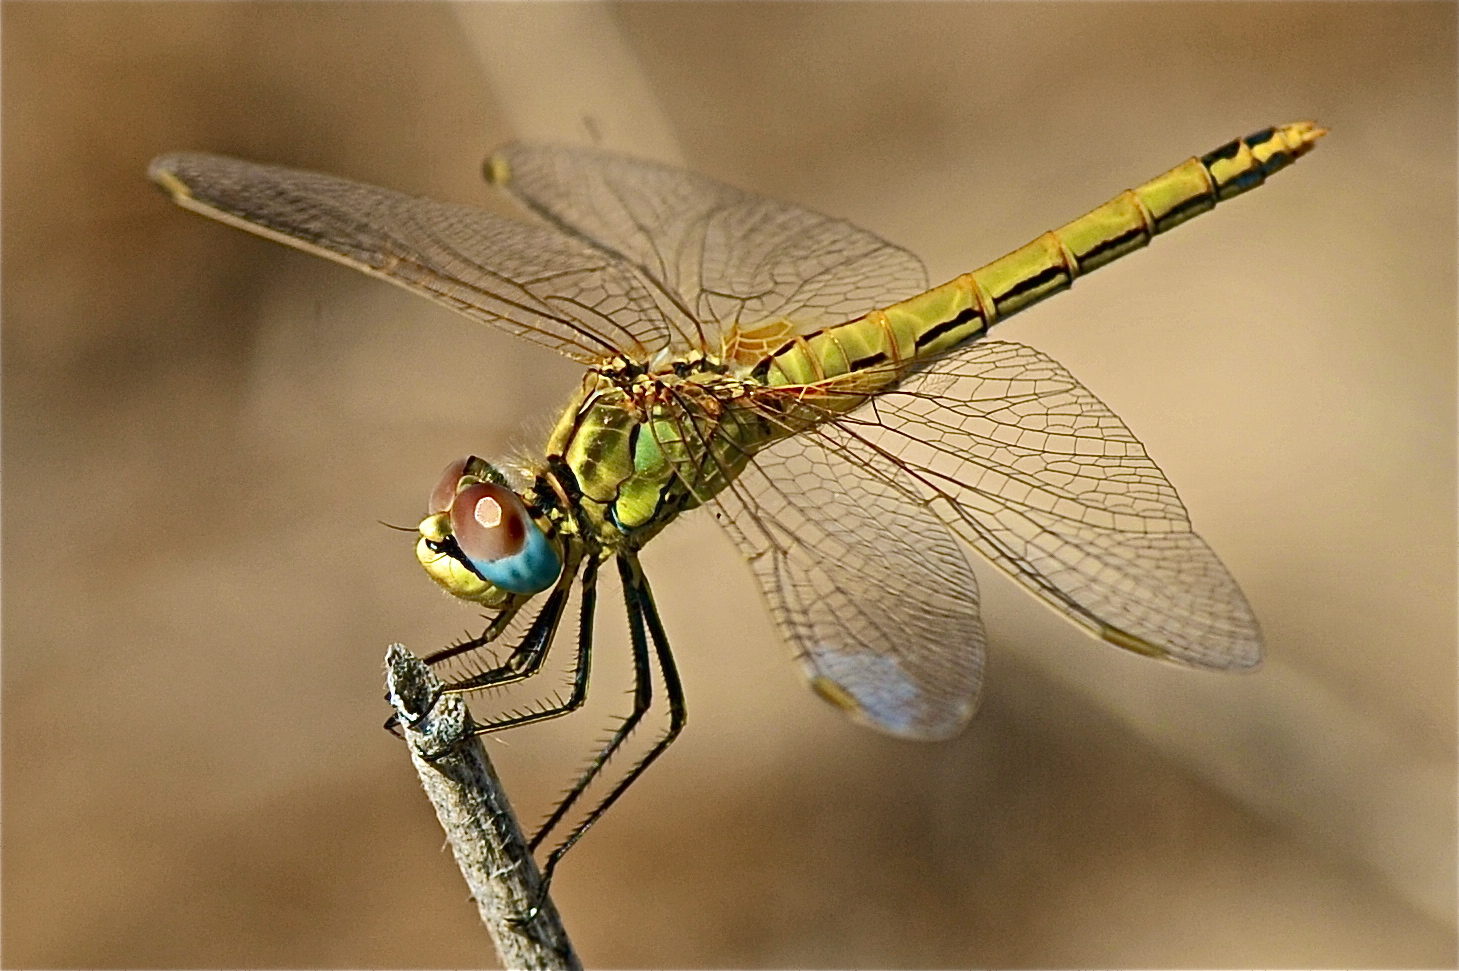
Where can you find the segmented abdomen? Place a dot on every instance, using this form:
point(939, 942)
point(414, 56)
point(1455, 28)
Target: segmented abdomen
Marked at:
point(851, 360)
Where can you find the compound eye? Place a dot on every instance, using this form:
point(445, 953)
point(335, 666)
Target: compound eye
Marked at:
point(500, 540)
point(489, 522)
point(445, 491)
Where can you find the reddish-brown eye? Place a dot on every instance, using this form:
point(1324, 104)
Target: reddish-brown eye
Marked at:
point(489, 522)
point(445, 491)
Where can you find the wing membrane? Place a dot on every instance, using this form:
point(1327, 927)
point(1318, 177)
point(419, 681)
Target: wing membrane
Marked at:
point(871, 590)
point(730, 258)
point(532, 281)
point(1034, 472)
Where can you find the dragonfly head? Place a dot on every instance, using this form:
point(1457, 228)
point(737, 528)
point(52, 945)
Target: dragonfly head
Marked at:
point(480, 541)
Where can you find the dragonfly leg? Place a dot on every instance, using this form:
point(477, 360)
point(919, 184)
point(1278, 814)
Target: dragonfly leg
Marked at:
point(642, 699)
point(581, 667)
point(527, 657)
point(642, 612)
point(493, 631)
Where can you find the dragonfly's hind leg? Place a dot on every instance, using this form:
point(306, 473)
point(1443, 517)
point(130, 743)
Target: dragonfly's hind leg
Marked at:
point(642, 613)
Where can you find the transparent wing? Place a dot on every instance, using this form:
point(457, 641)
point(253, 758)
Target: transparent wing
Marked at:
point(532, 281)
point(730, 259)
point(871, 590)
point(1035, 473)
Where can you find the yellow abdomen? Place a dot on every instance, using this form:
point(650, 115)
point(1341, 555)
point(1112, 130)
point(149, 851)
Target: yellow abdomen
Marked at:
point(872, 353)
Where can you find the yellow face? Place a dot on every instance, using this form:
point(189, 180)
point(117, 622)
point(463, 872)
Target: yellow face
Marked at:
point(449, 572)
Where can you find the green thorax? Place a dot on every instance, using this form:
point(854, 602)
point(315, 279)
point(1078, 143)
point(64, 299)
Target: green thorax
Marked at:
point(644, 447)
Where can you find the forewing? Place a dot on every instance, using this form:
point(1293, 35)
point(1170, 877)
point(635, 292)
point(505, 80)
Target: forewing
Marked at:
point(731, 259)
point(1038, 475)
point(532, 281)
point(873, 593)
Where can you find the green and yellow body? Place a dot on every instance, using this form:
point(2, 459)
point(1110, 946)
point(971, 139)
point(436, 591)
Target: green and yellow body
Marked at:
point(631, 449)
point(646, 449)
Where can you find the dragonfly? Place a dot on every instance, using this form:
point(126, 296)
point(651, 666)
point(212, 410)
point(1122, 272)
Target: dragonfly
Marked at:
point(851, 429)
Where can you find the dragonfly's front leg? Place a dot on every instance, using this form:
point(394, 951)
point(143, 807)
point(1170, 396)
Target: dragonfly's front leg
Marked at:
point(527, 658)
point(581, 667)
point(533, 650)
point(493, 630)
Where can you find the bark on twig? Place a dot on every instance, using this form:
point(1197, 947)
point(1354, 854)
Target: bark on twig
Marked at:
point(478, 819)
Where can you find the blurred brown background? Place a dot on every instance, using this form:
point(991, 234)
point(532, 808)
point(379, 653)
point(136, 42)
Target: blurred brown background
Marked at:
point(202, 431)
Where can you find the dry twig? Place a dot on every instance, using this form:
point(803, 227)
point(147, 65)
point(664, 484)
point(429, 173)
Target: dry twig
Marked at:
point(478, 819)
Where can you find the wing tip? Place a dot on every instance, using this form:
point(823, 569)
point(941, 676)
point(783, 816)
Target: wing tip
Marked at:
point(1131, 642)
point(163, 171)
point(1249, 658)
point(838, 697)
point(497, 170)
point(834, 695)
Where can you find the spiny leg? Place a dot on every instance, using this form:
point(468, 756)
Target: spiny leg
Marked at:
point(527, 658)
point(493, 630)
point(583, 665)
point(642, 699)
point(640, 599)
point(537, 640)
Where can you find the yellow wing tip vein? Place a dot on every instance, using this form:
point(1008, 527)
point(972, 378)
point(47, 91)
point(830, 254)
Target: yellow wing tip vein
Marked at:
point(167, 180)
point(1241, 661)
point(1130, 642)
point(497, 170)
point(836, 695)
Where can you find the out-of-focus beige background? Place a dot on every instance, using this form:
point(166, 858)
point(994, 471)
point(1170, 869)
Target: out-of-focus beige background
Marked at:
point(202, 431)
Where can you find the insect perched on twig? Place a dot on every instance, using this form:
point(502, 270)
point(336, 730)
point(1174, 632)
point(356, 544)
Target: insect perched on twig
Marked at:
point(847, 425)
